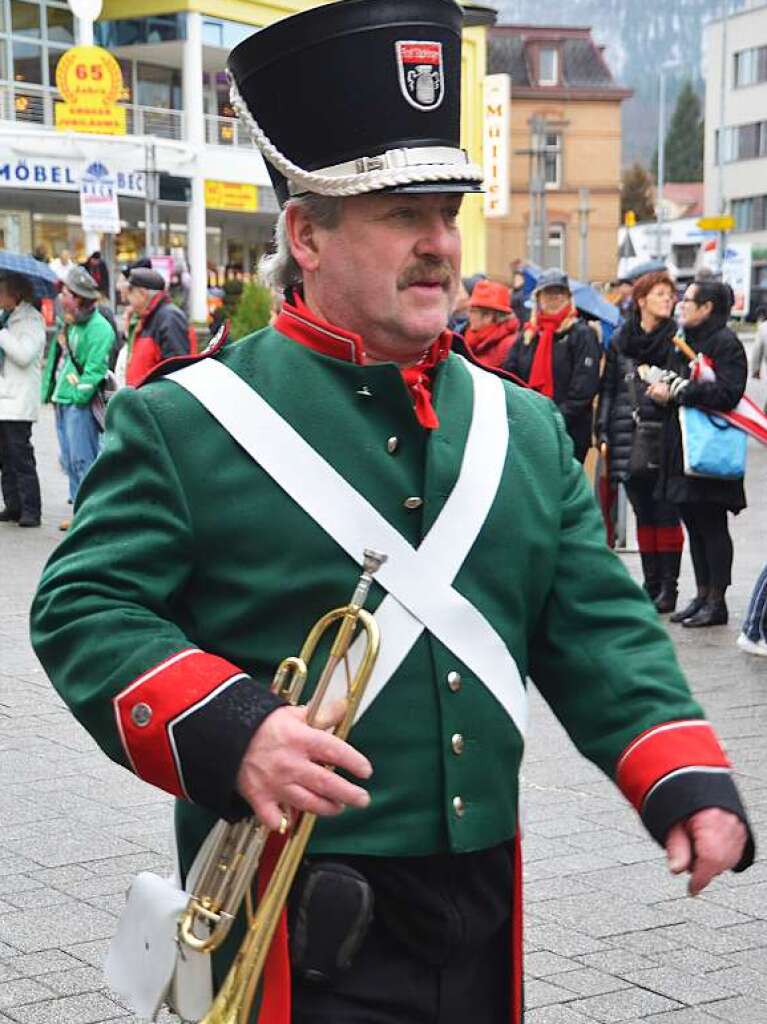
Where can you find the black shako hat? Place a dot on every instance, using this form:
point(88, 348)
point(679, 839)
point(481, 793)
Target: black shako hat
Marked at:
point(357, 96)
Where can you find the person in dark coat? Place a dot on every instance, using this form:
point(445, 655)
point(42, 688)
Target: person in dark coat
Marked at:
point(559, 356)
point(645, 337)
point(98, 270)
point(162, 329)
point(703, 501)
point(518, 297)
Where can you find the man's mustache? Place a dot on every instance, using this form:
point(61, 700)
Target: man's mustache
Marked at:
point(427, 271)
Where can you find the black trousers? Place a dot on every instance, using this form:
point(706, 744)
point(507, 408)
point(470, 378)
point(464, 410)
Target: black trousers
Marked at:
point(710, 543)
point(437, 952)
point(18, 472)
point(579, 429)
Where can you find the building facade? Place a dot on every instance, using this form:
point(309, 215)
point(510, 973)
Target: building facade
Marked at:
point(565, 152)
point(191, 184)
point(736, 121)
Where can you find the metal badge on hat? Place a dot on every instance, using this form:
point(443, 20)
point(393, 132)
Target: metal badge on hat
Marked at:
point(421, 73)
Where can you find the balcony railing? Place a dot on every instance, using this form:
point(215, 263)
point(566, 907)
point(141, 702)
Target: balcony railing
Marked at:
point(226, 131)
point(37, 106)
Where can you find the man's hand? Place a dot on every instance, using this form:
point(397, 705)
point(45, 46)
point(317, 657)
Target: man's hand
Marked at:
point(706, 844)
point(284, 767)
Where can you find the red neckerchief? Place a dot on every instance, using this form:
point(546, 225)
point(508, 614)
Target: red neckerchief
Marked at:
point(542, 370)
point(485, 341)
point(298, 322)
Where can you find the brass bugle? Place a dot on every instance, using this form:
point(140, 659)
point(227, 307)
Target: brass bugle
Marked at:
point(235, 850)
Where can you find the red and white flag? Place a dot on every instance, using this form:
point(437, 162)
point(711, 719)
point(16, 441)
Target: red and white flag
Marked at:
point(746, 416)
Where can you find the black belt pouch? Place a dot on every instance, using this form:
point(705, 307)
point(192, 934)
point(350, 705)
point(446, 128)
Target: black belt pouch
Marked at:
point(329, 916)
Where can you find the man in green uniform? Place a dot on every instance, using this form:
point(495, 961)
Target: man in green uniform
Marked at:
point(235, 494)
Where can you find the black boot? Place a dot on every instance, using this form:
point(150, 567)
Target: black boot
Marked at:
point(670, 562)
point(692, 608)
point(651, 573)
point(713, 613)
point(9, 516)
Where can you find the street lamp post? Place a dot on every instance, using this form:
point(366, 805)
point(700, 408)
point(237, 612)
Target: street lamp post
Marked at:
point(86, 12)
point(659, 246)
point(538, 229)
point(661, 163)
point(722, 131)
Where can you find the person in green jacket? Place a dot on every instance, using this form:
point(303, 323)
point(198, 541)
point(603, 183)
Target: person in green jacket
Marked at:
point(77, 364)
point(358, 420)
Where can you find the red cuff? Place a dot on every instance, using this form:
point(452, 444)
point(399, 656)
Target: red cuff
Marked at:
point(149, 708)
point(666, 748)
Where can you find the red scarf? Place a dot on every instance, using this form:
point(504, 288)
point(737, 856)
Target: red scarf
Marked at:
point(491, 344)
point(299, 323)
point(546, 325)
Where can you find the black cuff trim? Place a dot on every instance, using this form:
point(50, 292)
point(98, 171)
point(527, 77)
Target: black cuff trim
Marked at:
point(680, 795)
point(212, 741)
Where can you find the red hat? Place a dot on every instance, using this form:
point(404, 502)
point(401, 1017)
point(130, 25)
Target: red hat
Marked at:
point(491, 295)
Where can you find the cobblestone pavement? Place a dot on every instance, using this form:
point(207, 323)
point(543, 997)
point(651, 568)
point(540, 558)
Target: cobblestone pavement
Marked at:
point(611, 937)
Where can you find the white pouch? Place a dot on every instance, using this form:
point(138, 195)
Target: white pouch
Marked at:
point(145, 965)
point(142, 956)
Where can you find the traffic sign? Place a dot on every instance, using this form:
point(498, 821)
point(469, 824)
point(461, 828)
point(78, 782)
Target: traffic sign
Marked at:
point(726, 223)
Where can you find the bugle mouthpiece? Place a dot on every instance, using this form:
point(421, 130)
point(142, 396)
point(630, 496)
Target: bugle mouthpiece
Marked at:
point(373, 560)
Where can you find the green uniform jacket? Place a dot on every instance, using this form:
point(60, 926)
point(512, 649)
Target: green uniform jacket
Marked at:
point(91, 343)
point(189, 574)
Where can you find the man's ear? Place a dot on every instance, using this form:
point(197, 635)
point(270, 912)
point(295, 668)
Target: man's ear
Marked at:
point(302, 238)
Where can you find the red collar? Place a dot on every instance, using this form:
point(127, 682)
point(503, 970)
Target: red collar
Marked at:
point(298, 322)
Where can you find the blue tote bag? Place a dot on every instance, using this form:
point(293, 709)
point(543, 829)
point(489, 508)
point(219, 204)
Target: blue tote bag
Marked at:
point(711, 446)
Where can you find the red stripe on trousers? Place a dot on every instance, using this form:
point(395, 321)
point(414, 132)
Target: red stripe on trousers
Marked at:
point(516, 934)
point(276, 988)
point(664, 749)
point(646, 540)
point(669, 538)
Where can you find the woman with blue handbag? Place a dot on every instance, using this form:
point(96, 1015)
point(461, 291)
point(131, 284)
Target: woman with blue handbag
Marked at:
point(704, 494)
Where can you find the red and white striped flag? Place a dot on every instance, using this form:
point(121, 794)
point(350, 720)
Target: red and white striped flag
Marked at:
point(746, 416)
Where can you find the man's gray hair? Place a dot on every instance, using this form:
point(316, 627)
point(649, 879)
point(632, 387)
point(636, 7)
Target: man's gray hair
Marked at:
point(279, 269)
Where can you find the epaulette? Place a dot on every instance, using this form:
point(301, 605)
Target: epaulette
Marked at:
point(167, 366)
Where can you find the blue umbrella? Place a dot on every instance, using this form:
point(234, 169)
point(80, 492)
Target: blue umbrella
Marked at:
point(40, 274)
point(588, 300)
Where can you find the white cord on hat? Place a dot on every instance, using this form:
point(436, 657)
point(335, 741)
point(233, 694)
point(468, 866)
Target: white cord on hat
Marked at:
point(350, 184)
